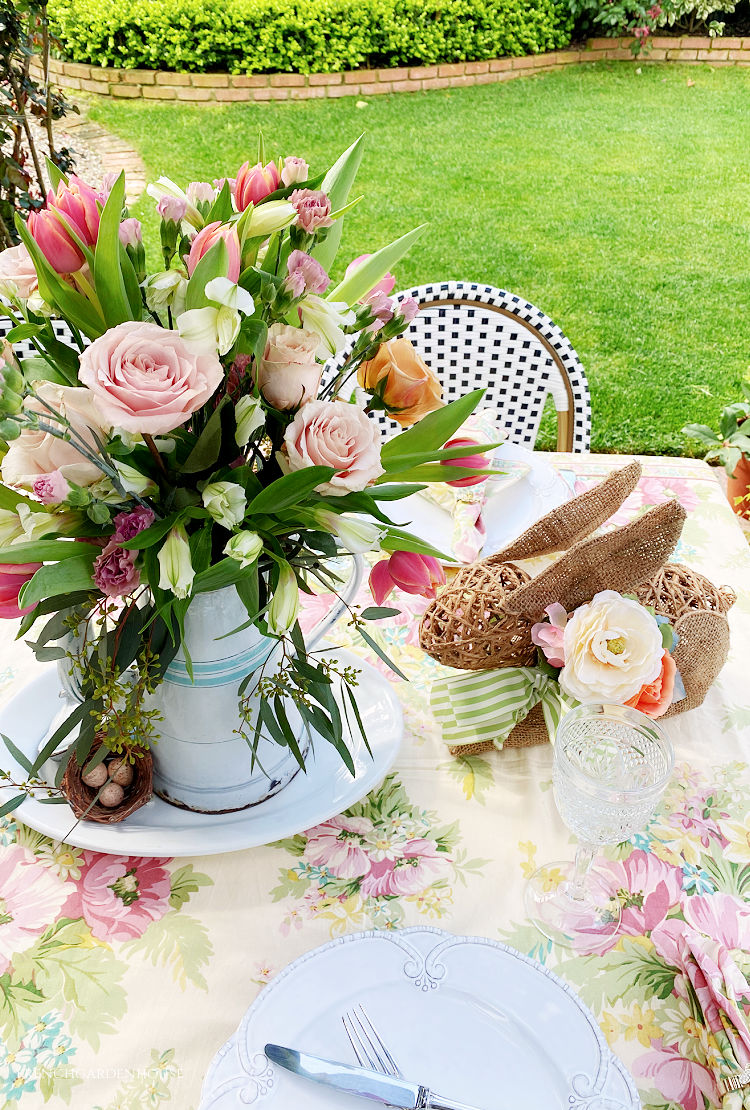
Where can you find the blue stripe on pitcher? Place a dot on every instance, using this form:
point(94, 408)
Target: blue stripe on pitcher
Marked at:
point(218, 672)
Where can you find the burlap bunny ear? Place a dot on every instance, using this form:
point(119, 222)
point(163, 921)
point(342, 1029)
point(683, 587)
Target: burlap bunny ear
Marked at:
point(571, 522)
point(700, 654)
point(619, 560)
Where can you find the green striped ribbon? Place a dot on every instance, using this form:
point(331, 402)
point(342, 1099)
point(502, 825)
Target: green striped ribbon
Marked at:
point(475, 706)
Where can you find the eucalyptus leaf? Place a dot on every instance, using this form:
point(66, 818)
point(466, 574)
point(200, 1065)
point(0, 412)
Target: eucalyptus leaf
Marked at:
point(59, 578)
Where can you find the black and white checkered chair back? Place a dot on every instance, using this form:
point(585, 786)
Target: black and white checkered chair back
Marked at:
point(476, 336)
point(24, 348)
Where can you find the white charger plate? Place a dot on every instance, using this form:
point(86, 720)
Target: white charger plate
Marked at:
point(470, 1018)
point(531, 488)
point(159, 829)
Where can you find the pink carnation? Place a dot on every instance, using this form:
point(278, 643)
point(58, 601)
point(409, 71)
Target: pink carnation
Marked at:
point(408, 309)
point(115, 572)
point(313, 208)
point(52, 488)
point(305, 275)
point(128, 525)
point(295, 170)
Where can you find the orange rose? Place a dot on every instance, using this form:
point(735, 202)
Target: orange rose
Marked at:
point(403, 382)
point(655, 698)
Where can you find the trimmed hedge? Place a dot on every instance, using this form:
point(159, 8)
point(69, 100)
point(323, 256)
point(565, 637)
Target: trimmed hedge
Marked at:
point(306, 36)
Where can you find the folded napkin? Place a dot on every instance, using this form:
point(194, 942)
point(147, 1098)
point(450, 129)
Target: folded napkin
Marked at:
point(464, 504)
point(719, 994)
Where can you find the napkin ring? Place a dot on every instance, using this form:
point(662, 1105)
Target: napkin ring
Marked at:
point(735, 1082)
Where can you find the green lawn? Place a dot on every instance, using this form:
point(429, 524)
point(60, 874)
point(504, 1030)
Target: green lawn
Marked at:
point(617, 201)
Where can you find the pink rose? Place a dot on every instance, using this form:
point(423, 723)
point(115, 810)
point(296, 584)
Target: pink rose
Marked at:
point(119, 896)
point(147, 379)
point(115, 572)
point(337, 434)
point(288, 375)
point(128, 525)
point(17, 273)
point(295, 171)
point(551, 637)
point(206, 238)
point(52, 488)
point(305, 275)
point(38, 454)
point(12, 577)
point(313, 209)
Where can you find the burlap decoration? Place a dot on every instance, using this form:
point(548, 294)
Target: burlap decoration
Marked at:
point(81, 796)
point(483, 620)
point(576, 519)
point(468, 626)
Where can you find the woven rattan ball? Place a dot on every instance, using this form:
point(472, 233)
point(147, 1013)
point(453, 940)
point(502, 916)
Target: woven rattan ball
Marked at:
point(466, 626)
point(677, 589)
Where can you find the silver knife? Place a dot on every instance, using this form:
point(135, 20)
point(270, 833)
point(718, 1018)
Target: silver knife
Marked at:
point(362, 1082)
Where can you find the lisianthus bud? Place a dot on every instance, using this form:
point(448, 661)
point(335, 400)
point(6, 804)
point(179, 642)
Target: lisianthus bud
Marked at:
point(284, 606)
point(133, 481)
point(166, 290)
point(175, 565)
point(356, 534)
point(245, 547)
point(249, 416)
point(226, 502)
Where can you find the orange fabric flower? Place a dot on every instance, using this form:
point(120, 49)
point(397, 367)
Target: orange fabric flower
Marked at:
point(408, 388)
point(655, 698)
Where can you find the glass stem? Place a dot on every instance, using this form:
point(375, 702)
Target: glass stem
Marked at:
point(584, 857)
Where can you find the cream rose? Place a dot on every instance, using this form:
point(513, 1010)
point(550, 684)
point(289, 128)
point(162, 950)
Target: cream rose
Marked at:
point(17, 273)
point(289, 374)
point(147, 379)
point(613, 647)
point(36, 452)
point(337, 434)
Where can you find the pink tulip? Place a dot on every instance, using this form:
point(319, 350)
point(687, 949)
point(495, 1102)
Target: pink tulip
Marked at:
point(253, 185)
point(12, 578)
point(476, 462)
point(412, 573)
point(385, 285)
point(77, 201)
point(206, 238)
point(54, 242)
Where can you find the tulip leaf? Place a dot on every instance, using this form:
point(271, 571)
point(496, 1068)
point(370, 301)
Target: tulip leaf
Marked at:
point(394, 491)
point(337, 183)
point(362, 279)
point(227, 572)
point(448, 453)
point(436, 472)
point(10, 499)
point(221, 209)
point(41, 551)
point(396, 539)
point(39, 370)
point(59, 578)
point(56, 292)
point(215, 263)
point(290, 489)
point(23, 331)
point(432, 431)
point(55, 174)
point(108, 278)
point(206, 451)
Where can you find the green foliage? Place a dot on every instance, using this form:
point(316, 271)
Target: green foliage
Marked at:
point(732, 442)
point(642, 18)
point(311, 36)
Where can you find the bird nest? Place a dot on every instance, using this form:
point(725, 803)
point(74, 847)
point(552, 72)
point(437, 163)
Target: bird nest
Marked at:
point(83, 798)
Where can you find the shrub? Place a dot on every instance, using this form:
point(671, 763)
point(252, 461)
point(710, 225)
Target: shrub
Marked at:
point(306, 36)
point(642, 18)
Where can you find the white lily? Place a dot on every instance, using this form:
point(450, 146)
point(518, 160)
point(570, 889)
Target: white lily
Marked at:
point(267, 218)
point(222, 291)
point(133, 481)
point(355, 533)
point(327, 319)
point(210, 328)
point(284, 606)
point(165, 185)
point(11, 528)
point(166, 290)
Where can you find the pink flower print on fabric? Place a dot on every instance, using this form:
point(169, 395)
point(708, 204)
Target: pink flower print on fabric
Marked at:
point(31, 896)
point(417, 868)
point(682, 1082)
point(339, 846)
point(119, 896)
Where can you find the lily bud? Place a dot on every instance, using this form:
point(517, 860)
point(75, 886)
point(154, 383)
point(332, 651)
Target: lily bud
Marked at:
point(176, 571)
point(249, 416)
point(356, 534)
point(282, 612)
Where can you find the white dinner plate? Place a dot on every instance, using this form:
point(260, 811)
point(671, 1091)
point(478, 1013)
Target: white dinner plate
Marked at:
point(530, 488)
point(159, 829)
point(470, 1018)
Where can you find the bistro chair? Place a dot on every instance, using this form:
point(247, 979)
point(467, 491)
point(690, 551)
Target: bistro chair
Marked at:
point(476, 336)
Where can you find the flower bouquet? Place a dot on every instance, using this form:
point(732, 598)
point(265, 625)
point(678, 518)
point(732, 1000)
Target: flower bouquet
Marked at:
point(178, 474)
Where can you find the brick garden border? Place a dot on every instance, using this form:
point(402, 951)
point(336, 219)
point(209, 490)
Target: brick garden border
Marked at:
point(149, 84)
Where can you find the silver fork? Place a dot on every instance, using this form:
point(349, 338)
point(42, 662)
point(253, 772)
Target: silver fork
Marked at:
point(369, 1047)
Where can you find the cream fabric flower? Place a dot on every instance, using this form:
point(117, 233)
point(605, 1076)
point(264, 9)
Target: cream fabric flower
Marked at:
point(613, 647)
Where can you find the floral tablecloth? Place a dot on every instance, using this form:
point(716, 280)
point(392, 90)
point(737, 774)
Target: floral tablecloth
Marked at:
point(121, 977)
